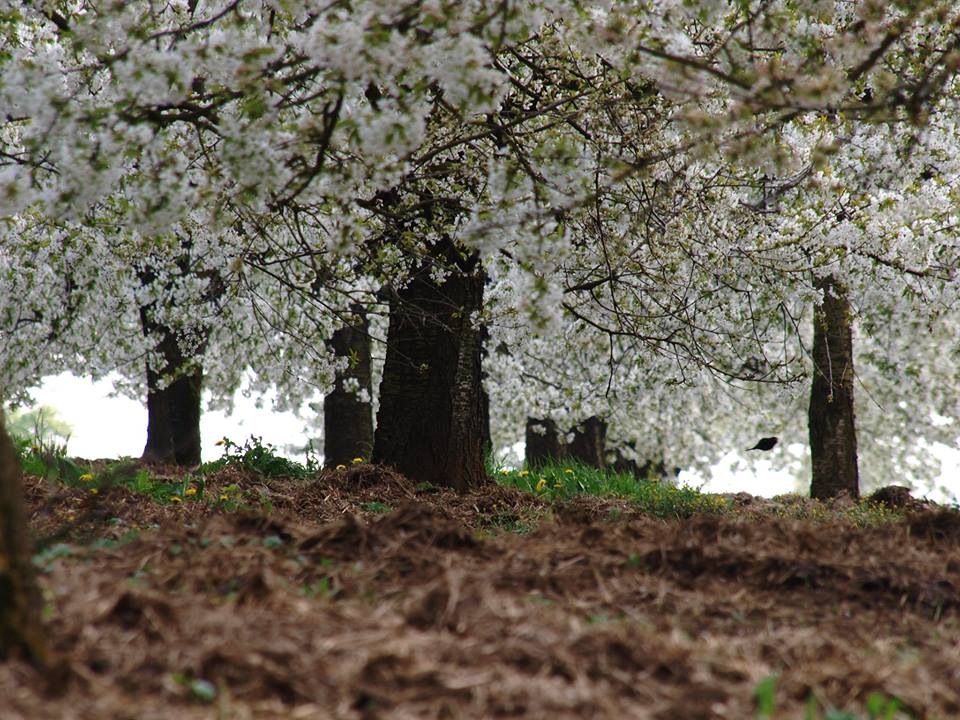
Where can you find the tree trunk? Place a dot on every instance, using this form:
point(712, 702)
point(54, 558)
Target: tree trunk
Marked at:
point(833, 437)
point(173, 411)
point(347, 418)
point(625, 466)
point(649, 470)
point(430, 422)
point(486, 437)
point(21, 631)
point(543, 443)
point(587, 446)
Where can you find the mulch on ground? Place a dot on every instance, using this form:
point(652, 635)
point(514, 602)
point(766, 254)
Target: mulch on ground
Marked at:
point(358, 595)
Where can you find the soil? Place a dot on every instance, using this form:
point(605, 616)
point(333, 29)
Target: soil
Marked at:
point(358, 595)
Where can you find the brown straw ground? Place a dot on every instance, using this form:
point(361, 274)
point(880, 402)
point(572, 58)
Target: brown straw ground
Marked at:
point(359, 596)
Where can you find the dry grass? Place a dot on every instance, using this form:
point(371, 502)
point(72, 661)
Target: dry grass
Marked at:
point(494, 604)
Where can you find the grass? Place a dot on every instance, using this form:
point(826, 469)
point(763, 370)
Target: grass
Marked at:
point(562, 481)
point(878, 706)
point(861, 514)
point(375, 506)
point(260, 457)
point(565, 480)
point(558, 481)
point(49, 461)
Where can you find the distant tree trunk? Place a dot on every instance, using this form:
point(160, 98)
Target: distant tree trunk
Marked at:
point(833, 437)
point(21, 632)
point(486, 437)
point(430, 422)
point(543, 442)
point(348, 419)
point(174, 389)
point(173, 411)
point(624, 465)
point(588, 444)
point(649, 470)
point(655, 470)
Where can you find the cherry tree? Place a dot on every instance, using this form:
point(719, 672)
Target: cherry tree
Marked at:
point(356, 125)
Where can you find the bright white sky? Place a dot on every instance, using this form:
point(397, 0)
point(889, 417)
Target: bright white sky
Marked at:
point(111, 427)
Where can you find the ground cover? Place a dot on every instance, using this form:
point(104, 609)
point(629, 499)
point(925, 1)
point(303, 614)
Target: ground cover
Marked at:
point(231, 593)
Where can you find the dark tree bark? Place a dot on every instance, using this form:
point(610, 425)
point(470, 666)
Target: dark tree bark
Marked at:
point(622, 464)
point(174, 390)
point(173, 411)
point(486, 437)
point(430, 421)
point(833, 437)
point(649, 470)
point(588, 444)
point(21, 631)
point(348, 420)
point(655, 470)
point(543, 442)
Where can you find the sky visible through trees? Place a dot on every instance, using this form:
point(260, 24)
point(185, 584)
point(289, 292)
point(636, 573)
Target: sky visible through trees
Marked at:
point(105, 426)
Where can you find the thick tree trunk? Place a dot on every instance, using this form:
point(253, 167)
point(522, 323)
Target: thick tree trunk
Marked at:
point(348, 418)
point(173, 411)
point(21, 632)
point(588, 444)
point(833, 437)
point(486, 437)
point(430, 422)
point(543, 443)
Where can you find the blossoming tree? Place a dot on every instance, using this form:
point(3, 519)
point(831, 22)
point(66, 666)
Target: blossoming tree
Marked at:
point(618, 163)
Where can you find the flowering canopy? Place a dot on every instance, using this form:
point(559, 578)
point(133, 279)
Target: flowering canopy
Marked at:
point(666, 179)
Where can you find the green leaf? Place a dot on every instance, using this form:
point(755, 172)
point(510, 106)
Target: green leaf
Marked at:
point(765, 693)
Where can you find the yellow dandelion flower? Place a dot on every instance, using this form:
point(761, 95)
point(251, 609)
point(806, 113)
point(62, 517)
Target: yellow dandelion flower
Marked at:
point(86, 477)
point(541, 484)
point(190, 491)
point(357, 460)
point(523, 473)
point(341, 467)
point(568, 471)
point(93, 491)
point(558, 485)
point(223, 498)
point(176, 498)
point(504, 471)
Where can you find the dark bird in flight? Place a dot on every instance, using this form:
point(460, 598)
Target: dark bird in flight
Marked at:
point(764, 444)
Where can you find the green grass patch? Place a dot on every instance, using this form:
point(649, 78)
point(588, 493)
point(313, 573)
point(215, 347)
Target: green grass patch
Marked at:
point(261, 458)
point(375, 506)
point(862, 514)
point(127, 473)
point(562, 481)
point(877, 706)
point(47, 460)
